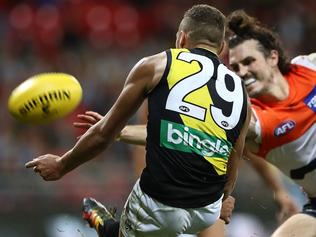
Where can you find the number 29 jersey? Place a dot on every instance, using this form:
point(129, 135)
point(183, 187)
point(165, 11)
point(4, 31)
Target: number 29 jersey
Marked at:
point(195, 115)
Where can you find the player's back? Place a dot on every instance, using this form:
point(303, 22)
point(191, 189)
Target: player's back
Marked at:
point(195, 116)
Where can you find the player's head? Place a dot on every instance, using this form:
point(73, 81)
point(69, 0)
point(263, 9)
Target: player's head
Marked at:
point(201, 24)
point(255, 52)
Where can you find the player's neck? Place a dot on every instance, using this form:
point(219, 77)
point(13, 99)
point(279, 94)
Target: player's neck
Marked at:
point(208, 47)
point(278, 90)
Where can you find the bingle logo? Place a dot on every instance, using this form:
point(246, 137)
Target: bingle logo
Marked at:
point(284, 128)
point(182, 138)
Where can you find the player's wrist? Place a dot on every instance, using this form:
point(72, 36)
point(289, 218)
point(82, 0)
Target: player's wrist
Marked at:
point(282, 196)
point(65, 163)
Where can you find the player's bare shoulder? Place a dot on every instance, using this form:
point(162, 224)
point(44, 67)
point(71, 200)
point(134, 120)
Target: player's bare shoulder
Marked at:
point(154, 65)
point(147, 72)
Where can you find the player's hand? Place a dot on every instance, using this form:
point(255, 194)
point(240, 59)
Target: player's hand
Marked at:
point(287, 206)
point(227, 209)
point(49, 167)
point(88, 119)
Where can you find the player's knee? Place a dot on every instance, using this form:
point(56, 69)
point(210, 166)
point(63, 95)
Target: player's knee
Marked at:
point(301, 225)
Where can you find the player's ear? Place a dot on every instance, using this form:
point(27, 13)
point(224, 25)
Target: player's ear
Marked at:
point(182, 39)
point(222, 48)
point(274, 58)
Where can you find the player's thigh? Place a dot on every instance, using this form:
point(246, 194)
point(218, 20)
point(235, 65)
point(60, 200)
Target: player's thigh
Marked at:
point(216, 230)
point(301, 225)
point(143, 216)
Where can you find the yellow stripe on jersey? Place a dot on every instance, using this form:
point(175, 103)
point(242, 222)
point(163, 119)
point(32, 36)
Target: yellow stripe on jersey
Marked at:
point(179, 70)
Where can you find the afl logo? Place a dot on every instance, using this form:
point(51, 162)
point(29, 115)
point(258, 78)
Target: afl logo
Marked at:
point(224, 123)
point(284, 128)
point(184, 108)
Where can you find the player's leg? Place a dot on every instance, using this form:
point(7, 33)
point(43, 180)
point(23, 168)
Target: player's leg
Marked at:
point(138, 219)
point(145, 216)
point(302, 225)
point(216, 230)
point(99, 218)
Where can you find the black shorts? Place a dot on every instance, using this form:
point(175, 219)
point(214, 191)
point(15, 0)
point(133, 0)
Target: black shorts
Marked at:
point(310, 207)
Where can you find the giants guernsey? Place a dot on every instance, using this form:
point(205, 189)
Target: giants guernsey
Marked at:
point(195, 115)
point(288, 129)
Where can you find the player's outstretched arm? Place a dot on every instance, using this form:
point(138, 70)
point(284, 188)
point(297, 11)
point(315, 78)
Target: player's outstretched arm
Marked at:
point(131, 134)
point(141, 80)
point(268, 172)
point(287, 206)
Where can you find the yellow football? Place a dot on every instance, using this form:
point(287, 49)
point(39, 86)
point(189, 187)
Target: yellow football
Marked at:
point(45, 97)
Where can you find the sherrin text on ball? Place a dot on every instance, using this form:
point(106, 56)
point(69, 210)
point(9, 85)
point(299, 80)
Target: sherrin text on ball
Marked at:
point(45, 97)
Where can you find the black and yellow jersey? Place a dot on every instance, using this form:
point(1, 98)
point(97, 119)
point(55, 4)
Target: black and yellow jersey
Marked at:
point(195, 115)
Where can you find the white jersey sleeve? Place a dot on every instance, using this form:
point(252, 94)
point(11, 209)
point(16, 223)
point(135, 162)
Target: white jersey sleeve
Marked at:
point(306, 61)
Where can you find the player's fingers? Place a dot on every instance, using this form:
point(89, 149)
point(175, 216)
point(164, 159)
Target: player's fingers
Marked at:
point(231, 200)
point(82, 125)
point(36, 169)
point(94, 114)
point(80, 115)
point(31, 163)
point(97, 117)
point(226, 219)
point(85, 117)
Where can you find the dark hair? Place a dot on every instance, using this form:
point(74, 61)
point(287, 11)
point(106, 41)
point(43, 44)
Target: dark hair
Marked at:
point(244, 27)
point(204, 22)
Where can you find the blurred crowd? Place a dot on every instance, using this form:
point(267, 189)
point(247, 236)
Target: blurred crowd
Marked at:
point(98, 41)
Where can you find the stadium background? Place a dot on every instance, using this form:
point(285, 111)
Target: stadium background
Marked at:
point(98, 42)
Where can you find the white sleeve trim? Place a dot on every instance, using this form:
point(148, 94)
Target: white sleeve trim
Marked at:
point(258, 138)
point(308, 61)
